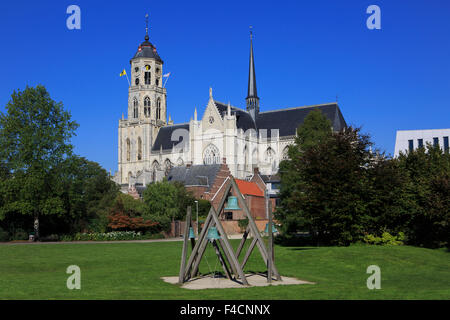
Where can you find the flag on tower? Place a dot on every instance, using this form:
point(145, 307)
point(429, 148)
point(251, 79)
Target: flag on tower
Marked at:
point(123, 73)
point(166, 75)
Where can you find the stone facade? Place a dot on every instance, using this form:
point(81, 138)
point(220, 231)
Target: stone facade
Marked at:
point(244, 139)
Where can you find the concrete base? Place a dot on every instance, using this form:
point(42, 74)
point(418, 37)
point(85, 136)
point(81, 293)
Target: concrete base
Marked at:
point(220, 282)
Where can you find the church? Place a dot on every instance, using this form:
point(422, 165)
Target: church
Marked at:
point(243, 138)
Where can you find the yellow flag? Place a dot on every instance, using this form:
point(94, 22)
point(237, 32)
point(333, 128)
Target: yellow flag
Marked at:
point(123, 73)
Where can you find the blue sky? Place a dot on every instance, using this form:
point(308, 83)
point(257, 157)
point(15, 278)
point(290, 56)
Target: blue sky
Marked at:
point(306, 52)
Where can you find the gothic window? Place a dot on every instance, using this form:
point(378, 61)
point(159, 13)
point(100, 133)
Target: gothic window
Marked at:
point(139, 153)
point(255, 157)
point(128, 150)
point(157, 81)
point(270, 155)
point(147, 75)
point(180, 162)
point(155, 167)
point(285, 155)
point(211, 155)
point(147, 104)
point(158, 109)
point(136, 81)
point(135, 108)
point(167, 166)
point(245, 158)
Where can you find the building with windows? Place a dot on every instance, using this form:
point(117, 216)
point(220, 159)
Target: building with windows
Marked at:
point(408, 140)
point(243, 138)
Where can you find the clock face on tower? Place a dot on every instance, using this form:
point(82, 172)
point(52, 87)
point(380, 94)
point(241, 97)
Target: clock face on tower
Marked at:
point(211, 119)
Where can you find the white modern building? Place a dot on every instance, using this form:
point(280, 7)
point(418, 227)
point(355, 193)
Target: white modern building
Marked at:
point(408, 140)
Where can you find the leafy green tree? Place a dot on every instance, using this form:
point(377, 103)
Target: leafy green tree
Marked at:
point(428, 171)
point(167, 199)
point(315, 130)
point(35, 135)
point(87, 192)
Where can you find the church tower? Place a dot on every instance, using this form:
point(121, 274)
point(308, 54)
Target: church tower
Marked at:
point(146, 95)
point(252, 96)
point(147, 110)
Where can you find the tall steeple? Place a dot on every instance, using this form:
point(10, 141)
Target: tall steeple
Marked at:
point(252, 96)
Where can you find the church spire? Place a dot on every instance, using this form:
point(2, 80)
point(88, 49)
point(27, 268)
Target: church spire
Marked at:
point(252, 96)
point(146, 27)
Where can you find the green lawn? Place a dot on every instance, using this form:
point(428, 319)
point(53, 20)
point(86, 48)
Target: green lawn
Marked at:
point(133, 271)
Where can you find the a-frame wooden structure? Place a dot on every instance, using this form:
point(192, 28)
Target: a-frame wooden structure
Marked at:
point(234, 269)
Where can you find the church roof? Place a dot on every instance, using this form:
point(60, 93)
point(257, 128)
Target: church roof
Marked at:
point(285, 120)
point(288, 120)
point(243, 118)
point(167, 133)
point(147, 50)
point(198, 175)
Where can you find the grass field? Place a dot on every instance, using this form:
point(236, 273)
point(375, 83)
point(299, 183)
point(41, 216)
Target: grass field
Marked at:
point(133, 271)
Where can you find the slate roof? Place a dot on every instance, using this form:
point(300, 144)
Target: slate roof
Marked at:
point(198, 175)
point(243, 119)
point(288, 120)
point(164, 137)
point(147, 50)
point(270, 178)
point(285, 120)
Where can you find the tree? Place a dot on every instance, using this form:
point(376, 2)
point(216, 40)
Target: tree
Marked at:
point(428, 173)
point(315, 129)
point(324, 182)
point(168, 199)
point(35, 135)
point(87, 192)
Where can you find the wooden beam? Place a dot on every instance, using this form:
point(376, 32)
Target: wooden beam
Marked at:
point(221, 260)
point(185, 244)
point(200, 253)
point(197, 245)
point(253, 227)
point(270, 260)
point(229, 248)
point(241, 244)
point(248, 253)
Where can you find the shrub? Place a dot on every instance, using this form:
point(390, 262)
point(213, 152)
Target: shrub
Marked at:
point(52, 237)
point(385, 239)
point(243, 223)
point(20, 234)
point(109, 236)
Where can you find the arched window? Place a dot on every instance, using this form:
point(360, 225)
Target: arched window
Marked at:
point(147, 75)
point(139, 153)
point(245, 158)
point(147, 105)
point(155, 167)
point(167, 166)
point(254, 157)
point(285, 155)
point(269, 155)
point(158, 109)
point(128, 150)
point(211, 155)
point(135, 108)
point(180, 162)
